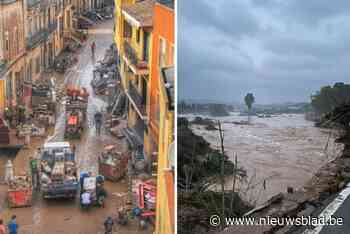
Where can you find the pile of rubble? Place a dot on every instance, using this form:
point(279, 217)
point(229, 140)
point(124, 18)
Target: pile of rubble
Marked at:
point(20, 183)
point(44, 102)
point(66, 59)
point(103, 14)
point(111, 156)
point(59, 171)
point(106, 72)
point(4, 132)
point(30, 129)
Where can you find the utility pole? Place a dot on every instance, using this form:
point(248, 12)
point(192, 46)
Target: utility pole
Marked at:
point(221, 132)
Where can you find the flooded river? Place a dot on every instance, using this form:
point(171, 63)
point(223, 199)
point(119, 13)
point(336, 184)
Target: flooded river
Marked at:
point(285, 151)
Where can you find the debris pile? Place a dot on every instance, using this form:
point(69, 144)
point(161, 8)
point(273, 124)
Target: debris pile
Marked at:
point(72, 46)
point(65, 60)
point(4, 132)
point(25, 129)
point(20, 183)
point(60, 171)
point(99, 15)
point(112, 163)
point(106, 72)
point(44, 102)
point(20, 192)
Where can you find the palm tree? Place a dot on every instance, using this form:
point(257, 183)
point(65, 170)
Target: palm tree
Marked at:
point(249, 100)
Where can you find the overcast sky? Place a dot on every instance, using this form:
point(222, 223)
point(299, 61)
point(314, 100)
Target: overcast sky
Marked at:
point(281, 50)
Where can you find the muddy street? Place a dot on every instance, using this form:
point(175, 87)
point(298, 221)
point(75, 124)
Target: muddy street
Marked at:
point(64, 216)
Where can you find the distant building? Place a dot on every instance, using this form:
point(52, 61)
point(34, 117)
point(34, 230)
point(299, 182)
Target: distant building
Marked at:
point(12, 51)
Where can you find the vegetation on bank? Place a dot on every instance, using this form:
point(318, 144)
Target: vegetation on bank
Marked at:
point(328, 97)
point(199, 172)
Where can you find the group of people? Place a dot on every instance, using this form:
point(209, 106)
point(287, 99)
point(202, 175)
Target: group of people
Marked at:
point(12, 226)
point(86, 197)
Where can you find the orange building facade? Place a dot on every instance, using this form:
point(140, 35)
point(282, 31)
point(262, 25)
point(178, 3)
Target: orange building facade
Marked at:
point(162, 56)
point(161, 112)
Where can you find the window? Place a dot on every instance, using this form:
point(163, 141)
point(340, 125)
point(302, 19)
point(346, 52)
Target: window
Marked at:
point(7, 42)
point(127, 30)
point(29, 70)
point(17, 40)
point(171, 55)
point(9, 88)
point(138, 35)
point(162, 52)
point(37, 65)
point(68, 19)
point(157, 110)
point(29, 27)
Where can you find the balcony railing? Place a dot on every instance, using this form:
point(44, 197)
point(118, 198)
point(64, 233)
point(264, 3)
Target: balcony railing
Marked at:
point(52, 27)
point(132, 56)
point(3, 66)
point(137, 99)
point(130, 53)
point(37, 39)
point(32, 3)
point(7, 1)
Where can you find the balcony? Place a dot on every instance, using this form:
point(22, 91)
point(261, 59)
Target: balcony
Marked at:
point(3, 2)
point(137, 100)
point(131, 56)
point(32, 3)
point(52, 27)
point(37, 39)
point(3, 67)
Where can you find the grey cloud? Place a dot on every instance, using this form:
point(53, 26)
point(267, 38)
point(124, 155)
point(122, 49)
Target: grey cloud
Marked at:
point(298, 47)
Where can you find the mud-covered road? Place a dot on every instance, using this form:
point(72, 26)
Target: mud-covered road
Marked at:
point(62, 216)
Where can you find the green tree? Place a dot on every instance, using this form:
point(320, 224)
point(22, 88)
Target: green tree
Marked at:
point(329, 97)
point(249, 100)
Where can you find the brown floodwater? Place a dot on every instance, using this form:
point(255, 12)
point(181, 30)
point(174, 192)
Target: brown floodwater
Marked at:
point(284, 150)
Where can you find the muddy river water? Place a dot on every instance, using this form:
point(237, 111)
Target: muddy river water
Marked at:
point(284, 150)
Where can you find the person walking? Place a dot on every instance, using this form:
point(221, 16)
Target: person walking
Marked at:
point(108, 225)
point(98, 122)
point(93, 47)
point(34, 172)
point(2, 227)
point(13, 226)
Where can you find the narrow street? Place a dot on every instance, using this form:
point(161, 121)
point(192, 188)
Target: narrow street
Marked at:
point(63, 216)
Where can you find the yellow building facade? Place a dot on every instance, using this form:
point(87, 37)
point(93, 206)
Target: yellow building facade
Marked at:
point(165, 212)
point(12, 52)
point(133, 38)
